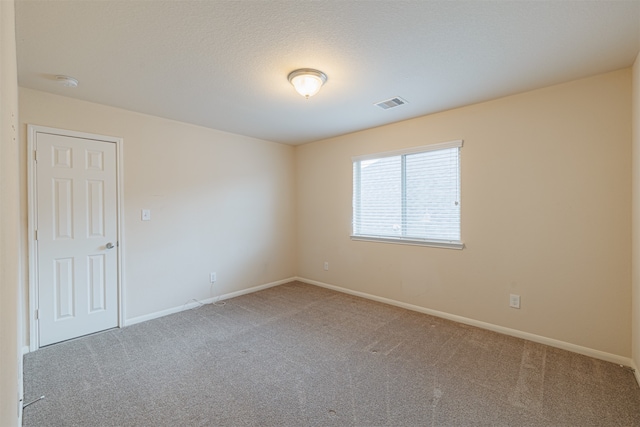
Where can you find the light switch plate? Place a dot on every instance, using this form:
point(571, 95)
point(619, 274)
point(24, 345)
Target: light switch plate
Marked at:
point(146, 215)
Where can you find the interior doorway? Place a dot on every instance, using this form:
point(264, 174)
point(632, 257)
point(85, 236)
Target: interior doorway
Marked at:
point(74, 234)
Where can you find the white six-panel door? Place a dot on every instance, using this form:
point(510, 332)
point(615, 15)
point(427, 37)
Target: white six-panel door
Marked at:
point(76, 238)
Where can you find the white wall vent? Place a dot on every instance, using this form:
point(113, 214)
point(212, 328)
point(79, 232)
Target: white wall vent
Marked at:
point(390, 103)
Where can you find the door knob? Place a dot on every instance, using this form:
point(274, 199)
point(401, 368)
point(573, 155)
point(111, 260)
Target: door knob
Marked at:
point(110, 245)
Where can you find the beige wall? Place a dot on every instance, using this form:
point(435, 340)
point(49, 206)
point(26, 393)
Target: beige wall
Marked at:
point(10, 325)
point(636, 214)
point(546, 182)
point(219, 202)
point(546, 210)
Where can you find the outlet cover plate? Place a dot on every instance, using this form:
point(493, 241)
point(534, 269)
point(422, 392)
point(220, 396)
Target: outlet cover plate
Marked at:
point(514, 301)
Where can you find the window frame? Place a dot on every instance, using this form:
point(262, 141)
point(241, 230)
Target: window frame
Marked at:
point(437, 243)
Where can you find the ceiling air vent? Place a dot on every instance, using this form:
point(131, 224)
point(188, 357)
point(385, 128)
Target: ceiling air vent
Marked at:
point(390, 103)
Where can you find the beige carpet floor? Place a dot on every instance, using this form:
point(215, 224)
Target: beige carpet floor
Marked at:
point(300, 355)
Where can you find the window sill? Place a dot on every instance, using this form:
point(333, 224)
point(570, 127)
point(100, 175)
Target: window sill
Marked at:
point(444, 244)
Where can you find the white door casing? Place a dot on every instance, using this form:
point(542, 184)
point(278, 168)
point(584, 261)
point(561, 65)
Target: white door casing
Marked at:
point(75, 217)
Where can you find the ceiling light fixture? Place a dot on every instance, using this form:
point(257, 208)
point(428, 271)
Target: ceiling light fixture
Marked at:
point(67, 81)
point(307, 81)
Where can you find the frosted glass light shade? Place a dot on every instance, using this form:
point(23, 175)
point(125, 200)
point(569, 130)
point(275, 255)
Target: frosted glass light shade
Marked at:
point(307, 82)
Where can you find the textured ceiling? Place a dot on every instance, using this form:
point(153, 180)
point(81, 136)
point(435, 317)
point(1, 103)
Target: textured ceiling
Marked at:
point(224, 64)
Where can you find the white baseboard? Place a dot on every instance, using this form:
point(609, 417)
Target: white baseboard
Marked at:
point(255, 289)
point(635, 371)
point(609, 357)
point(192, 304)
point(25, 349)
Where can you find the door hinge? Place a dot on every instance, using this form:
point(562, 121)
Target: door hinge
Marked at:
point(36, 234)
point(37, 314)
point(35, 155)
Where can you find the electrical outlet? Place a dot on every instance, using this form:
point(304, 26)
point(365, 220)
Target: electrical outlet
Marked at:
point(514, 301)
point(326, 265)
point(212, 277)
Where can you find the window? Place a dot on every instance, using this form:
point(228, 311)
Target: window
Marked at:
point(409, 196)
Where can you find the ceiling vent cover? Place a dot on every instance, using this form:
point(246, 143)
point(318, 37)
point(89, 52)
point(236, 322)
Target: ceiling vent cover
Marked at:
point(391, 103)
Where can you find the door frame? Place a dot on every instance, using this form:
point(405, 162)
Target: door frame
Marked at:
point(32, 206)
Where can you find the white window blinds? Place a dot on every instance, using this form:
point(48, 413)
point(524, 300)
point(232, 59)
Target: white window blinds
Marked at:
point(409, 196)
